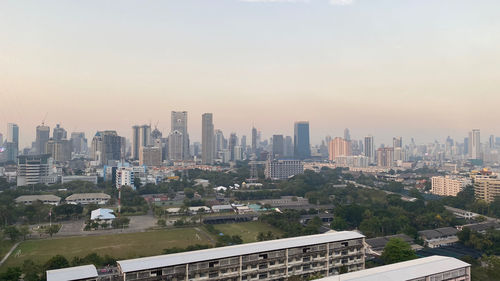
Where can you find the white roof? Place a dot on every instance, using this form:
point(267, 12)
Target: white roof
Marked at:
point(231, 251)
point(102, 214)
point(173, 210)
point(48, 197)
point(78, 196)
point(407, 270)
point(196, 208)
point(72, 273)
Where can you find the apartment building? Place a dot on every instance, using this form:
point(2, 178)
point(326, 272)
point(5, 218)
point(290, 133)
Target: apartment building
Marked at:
point(283, 169)
point(487, 188)
point(448, 186)
point(322, 254)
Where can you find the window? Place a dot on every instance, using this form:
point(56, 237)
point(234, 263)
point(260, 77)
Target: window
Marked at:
point(344, 244)
point(262, 256)
point(263, 276)
point(213, 263)
point(213, 274)
point(306, 250)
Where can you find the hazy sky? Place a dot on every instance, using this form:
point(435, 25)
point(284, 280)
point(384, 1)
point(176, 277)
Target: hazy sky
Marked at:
point(422, 68)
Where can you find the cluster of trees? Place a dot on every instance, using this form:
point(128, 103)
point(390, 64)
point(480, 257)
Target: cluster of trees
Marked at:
point(36, 271)
point(187, 249)
point(397, 250)
point(488, 243)
point(288, 222)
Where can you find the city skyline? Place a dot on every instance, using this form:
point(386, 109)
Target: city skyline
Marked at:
point(376, 68)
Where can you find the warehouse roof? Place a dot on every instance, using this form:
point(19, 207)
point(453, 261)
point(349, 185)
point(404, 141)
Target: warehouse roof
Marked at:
point(231, 251)
point(30, 198)
point(72, 273)
point(80, 196)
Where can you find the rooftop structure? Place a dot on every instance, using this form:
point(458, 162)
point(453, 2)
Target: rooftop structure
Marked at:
point(88, 198)
point(45, 199)
point(81, 273)
point(102, 214)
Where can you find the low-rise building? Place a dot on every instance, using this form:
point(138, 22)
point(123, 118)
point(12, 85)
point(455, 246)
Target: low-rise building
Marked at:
point(283, 169)
point(45, 199)
point(481, 227)
point(434, 238)
point(88, 198)
point(222, 208)
point(80, 273)
point(432, 268)
point(66, 179)
point(375, 246)
point(106, 215)
point(199, 209)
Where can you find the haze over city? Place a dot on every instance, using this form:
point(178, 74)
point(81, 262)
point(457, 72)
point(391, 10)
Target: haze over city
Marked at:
point(423, 69)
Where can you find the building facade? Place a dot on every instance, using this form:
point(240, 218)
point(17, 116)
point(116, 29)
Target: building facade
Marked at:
point(283, 169)
point(448, 186)
point(486, 188)
point(150, 156)
point(35, 169)
point(179, 123)
point(302, 147)
point(107, 146)
point(369, 149)
point(207, 139)
point(385, 157)
point(339, 147)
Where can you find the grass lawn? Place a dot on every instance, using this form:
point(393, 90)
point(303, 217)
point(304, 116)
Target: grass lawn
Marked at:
point(5, 246)
point(247, 230)
point(119, 246)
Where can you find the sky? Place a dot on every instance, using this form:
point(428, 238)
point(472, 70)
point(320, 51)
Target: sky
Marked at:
point(424, 69)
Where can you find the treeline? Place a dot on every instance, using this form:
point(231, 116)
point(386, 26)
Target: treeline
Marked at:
point(36, 271)
point(288, 222)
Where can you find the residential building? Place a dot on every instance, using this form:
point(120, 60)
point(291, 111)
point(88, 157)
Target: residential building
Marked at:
point(302, 148)
point(150, 156)
point(45, 199)
point(35, 169)
point(207, 139)
point(339, 147)
point(283, 169)
point(369, 149)
point(486, 188)
point(66, 179)
point(124, 177)
point(88, 198)
point(432, 268)
point(448, 186)
point(358, 161)
point(176, 146)
point(385, 157)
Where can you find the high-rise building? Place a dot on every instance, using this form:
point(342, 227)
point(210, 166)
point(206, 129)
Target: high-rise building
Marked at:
point(59, 133)
point(302, 148)
point(176, 146)
point(1, 139)
point(385, 157)
point(42, 137)
point(13, 133)
point(339, 147)
point(466, 146)
point(60, 150)
point(150, 156)
point(475, 144)
point(107, 146)
point(179, 123)
point(491, 143)
point(254, 140)
point(207, 139)
point(278, 146)
point(124, 177)
point(243, 142)
point(397, 143)
point(486, 188)
point(233, 141)
point(347, 134)
point(79, 143)
point(141, 136)
point(370, 149)
point(35, 169)
point(11, 152)
point(288, 147)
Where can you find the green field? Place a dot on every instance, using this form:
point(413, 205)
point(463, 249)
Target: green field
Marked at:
point(247, 230)
point(5, 246)
point(120, 246)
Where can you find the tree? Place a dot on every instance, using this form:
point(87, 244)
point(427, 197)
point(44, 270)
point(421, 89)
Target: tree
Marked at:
point(24, 231)
point(338, 223)
point(12, 232)
point(56, 262)
point(397, 250)
point(11, 274)
point(53, 229)
point(189, 192)
point(161, 222)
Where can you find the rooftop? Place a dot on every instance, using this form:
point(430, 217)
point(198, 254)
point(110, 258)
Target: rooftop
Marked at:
point(231, 251)
point(72, 273)
point(407, 270)
point(78, 196)
point(48, 197)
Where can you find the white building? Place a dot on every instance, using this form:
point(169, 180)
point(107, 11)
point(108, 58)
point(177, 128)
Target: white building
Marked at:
point(66, 179)
point(283, 169)
point(102, 215)
point(35, 169)
point(124, 177)
point(45, 199)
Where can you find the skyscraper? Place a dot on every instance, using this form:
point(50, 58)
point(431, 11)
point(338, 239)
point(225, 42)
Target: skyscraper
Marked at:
point(179, 123)
point(13, 133)
point(369, 148)
point(302, 148)
point(347, 134)
point(141, 136)
point(42, 137)
point(59, 133)
point(397, 143)
point(107, 146)
point(79, 143)
point(219, 141)
point(491, 143)
point(254, 140)
point(207, 139)
point(233, 142)
point(175, 146)
point(278, 146)
point(288, 147)
point(385, 157)
point(475, 144)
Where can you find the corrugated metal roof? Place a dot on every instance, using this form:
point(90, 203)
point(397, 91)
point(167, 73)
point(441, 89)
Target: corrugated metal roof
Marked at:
point(72, 273)
point(407, 270)
point(231, 251)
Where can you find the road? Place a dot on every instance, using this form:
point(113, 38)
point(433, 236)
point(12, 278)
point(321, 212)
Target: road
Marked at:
point(8, 254)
